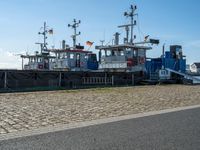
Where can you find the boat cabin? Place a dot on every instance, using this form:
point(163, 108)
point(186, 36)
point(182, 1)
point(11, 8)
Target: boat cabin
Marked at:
point(129, 56)
point(74, 60)
point(124, 57)
point(38, 62)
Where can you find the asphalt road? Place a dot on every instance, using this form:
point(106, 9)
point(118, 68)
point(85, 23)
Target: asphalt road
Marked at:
point(171, 131)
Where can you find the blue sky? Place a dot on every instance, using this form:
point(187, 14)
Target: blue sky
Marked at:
point(172, 21)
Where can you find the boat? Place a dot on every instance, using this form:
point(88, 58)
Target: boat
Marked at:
point(67, 58)
point(74, 58)
point(129, 56)
point(40, 60)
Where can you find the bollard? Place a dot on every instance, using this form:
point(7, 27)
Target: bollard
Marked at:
point(113, 82)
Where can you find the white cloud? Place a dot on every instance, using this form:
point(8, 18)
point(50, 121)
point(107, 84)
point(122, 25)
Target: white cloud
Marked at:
point(9, 60)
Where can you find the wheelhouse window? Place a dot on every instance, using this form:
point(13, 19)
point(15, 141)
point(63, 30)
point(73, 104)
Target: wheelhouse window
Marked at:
point(40, 60)
point(121, 53)
point(71, 56)
point(65, 56)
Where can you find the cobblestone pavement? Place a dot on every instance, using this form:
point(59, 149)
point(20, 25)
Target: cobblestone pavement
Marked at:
point(27, 111)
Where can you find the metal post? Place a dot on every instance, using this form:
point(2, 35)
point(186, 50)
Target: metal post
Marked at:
point(113, 82)
point(105, 78)
point(100, 53)
point(74, 38)
point(132, 26)
point(45, 35)
point(5, 80)
point(22, 63)
point(60, 79)
point(127, 33)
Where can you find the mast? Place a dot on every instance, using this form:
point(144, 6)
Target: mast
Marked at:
point(127, 27)
point(44, 34)
point(74, 26)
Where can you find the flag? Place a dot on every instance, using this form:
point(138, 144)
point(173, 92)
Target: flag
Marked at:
point(50, 31)
point(89, 43)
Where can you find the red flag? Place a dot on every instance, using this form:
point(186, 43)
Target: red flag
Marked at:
point(89, 43)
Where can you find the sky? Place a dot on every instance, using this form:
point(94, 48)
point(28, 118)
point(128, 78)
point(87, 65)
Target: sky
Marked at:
point(171, 21)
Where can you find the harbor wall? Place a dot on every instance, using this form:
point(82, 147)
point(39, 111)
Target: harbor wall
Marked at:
point(19, 79)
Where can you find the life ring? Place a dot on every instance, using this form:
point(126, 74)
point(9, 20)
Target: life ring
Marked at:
point(130, 62)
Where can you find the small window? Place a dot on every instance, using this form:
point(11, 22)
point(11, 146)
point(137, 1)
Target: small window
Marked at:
point(62, 55)
point(164, 72)
point(134, 53)
point(109, 53)
point(71, 56)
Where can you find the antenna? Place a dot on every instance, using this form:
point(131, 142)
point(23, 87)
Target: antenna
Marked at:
point(74, 26)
